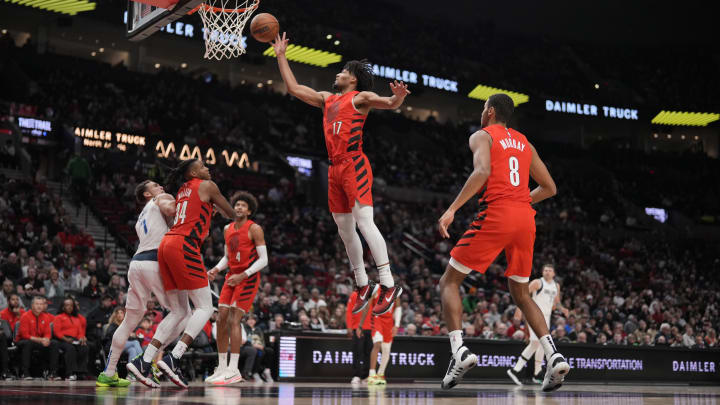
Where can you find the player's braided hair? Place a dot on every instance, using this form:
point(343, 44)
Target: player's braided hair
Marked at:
point(504, 106)
point(248, 198)
point(177, 175)
point(140, 191)
point(363, 72)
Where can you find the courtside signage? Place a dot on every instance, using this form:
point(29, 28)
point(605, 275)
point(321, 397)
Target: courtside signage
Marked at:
point(409, 76)
point(323, 356)
point(34, 126)
point(569, 107)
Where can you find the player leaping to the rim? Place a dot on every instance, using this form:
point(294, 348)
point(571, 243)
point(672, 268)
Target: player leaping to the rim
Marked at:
point(349, 175)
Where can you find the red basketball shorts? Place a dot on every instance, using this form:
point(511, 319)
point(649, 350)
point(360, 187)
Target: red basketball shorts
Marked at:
point(241, 295)
point(180, 263)
point(349, 179)
point(502, 226)
point(382, 329)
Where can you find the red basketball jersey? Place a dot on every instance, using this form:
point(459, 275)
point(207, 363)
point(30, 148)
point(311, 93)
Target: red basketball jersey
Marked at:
point(240, 248)
point(510, 157)
point(192, 216)
point(343, 126)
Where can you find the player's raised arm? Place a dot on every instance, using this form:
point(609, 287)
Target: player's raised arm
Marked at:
point(166, 203)
point(480, 147)
point(538, 171)
point(304, 93)
point(213, 194)
point(372, 100)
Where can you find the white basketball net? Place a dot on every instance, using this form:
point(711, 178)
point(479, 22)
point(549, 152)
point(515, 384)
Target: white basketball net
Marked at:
point(224, 21)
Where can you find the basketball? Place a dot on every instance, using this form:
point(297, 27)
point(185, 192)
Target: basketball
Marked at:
point(264, 27)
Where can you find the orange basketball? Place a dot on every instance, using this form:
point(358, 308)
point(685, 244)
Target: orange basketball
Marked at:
point(264, 27)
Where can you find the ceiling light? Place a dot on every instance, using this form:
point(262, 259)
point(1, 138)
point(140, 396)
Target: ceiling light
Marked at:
point(310, 56)
point(684, 118)
point(329, 36)
point(482, 92)
point(157, 66)
point(183, 65)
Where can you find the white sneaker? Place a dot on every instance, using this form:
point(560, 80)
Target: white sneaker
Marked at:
point(219, 372)
point(460, 363)
point(257, 377)
point(229, 377)
point(557, 369)
point(268, 376)
point(355, 380)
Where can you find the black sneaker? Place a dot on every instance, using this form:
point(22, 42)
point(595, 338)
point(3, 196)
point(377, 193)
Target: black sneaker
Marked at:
point(170, 366)
point(142, 370)
point(514, 376)
point(460, 363)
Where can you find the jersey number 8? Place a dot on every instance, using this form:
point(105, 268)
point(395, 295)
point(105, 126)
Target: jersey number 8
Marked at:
point(514, 174)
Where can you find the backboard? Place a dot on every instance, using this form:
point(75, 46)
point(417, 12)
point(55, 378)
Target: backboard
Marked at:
point(149, 16)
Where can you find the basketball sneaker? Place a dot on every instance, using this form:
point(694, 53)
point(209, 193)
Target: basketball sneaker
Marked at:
point(378, 380)
point(355, 380)
point(386, 299)
point(219, 372)
point(114, 381)
point(363, 297)
point(538, 378)
point(460, 363)
point(514, 376)
point(557, 369)
point(141, 369)
point(170, 366)
point(230, 376)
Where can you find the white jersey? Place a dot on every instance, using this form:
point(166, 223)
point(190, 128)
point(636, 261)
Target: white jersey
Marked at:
point(545, 296)
point(150, 227)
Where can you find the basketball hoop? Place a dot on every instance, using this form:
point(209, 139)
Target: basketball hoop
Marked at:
point(224, 21)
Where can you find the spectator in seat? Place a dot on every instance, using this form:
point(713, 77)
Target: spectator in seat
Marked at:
point(277, 324)
point(144, 332)
point(11, 268)
point(92, 290)
point(13, 312)
point(81, 279)
point(99, 317)
point(265, 355)
point(66, 278)
point(53, 287)
point(34, 334)
point(69, 329)
point(5, 337)
point(248, 354)
point(8, 289)
point(282, 307)
point(132, 346)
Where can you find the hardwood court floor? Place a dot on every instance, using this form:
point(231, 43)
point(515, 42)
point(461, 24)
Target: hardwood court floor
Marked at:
point(82, 393)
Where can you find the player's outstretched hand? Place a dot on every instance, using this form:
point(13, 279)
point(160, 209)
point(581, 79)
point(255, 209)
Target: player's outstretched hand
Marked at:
point(213, 273)
point(280, 44)
point(444, 222)
point(399, 89)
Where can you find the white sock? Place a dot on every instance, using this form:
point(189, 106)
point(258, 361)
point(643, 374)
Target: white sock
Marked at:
point(150, 352)
point(538, 359)
point(234, 360)
point(386, 278)
point(525, 355)
point(548, 346)
point(361, 277)
point(222, 361)
point(456, 340)
point(179, 350)
point(372, 373)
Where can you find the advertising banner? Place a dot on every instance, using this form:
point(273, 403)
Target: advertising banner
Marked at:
point(308, 356)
